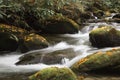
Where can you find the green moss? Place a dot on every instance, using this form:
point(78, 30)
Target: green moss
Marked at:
point(98, 60)
point(101, 30)
point(54, 73)
point(59, 18)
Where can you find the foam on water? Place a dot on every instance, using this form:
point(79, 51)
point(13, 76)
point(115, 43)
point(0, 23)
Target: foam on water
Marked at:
point(7, 64)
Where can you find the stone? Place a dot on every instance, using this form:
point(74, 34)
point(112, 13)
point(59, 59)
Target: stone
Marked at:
point(116, 16)
point(101, 61)
point(8, 42)
point(59, 25)
point(54, 73)
point(55, 57)
point(32, 42)
point(105, 36)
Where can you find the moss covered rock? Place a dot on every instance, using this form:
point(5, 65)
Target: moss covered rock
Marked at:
point(13, 30)
point(55, 57)
point(26, 40)
point(33, 41)
point(54, 73)
point(59, 25)
point(106, 60)
point(8, 42)
point(105, 36)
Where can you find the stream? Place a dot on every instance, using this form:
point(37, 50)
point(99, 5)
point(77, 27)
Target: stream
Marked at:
point(78, 42)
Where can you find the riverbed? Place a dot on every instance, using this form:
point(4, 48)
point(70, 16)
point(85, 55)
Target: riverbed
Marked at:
point(78, 42)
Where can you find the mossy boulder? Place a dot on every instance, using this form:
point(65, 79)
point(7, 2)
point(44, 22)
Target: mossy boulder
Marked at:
point(13, 30)
point(32, 42)
point(26, 40)
point(8, 42)
point(105, 36)
point(59, 25)
point(54, 73)
point(56, 57)
point(104, 60)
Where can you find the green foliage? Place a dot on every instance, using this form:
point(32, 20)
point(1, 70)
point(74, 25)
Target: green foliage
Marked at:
point(113, 4)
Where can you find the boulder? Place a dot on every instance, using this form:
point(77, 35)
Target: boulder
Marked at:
point(101, 60)
point(116, 16)
point(98, 13)
point(86, 16)
point(26, 40)
point(55, 57)
point(8, 42)
point(105, 36)
point(13, 30)
point(54, 73)
point(59, 25)
point(32, 42)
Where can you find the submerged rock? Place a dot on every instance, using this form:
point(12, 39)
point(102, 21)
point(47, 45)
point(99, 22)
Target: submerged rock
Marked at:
point(54, 73)
point(55, 57)
point(99, 60)
point(8, 42)
point(105, 36)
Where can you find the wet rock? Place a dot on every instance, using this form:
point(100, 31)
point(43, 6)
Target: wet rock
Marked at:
point(59, 25)
point(8, 42)
point(54, 73)
point(105, 36)
point(98, 13)
point(27, 41)
point(46, 58)
point(101, 60)
point(13, 30)
point(86, 16)
point(117, 16)
point(32, 42)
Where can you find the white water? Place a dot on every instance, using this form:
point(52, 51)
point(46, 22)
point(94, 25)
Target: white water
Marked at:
point(82, 47)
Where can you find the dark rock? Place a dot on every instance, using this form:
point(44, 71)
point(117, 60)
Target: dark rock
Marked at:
point(105, 36)
point(27, 41)
point(117, 16)
point(8, 42)
point(98, 13)
point(86, 16)
point(54, 73)
point(59, 25)
point(47, 58)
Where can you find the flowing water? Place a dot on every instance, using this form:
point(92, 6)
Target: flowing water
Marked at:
point(79, 42)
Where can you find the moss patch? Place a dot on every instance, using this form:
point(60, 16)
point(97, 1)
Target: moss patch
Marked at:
point(54, 73)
